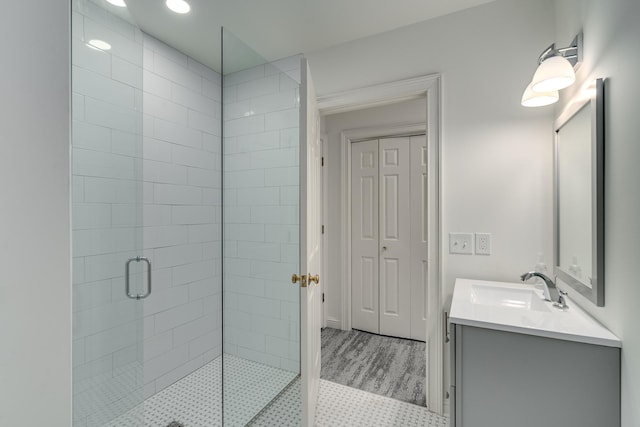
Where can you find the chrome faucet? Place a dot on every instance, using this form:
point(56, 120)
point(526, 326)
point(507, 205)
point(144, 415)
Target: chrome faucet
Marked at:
point(551, 292)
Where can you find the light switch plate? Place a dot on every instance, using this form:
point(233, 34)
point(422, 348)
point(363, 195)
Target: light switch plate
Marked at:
point(461, 243)
point(483, 243)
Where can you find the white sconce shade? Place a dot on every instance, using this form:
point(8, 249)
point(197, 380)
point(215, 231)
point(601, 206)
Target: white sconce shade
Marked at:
point(538, 99)
point(553, 74)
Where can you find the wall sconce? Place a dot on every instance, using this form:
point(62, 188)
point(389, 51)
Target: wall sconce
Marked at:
point(556, 71)
point(538, 99)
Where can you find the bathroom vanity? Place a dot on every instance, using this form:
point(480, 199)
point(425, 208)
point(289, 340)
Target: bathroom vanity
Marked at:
point(518, 361)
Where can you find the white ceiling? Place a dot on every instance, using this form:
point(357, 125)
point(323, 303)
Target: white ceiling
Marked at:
point(280, 28)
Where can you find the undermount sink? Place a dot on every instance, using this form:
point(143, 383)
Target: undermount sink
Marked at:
point(520, 308)
point(524, 299)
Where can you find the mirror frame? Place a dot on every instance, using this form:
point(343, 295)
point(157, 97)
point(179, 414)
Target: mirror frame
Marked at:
point(594, 292)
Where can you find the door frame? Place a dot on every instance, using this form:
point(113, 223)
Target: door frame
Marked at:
point(429, 88)
point(325, 215)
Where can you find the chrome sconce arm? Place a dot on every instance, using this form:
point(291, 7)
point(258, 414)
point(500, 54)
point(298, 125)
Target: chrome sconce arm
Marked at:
point(572, 53)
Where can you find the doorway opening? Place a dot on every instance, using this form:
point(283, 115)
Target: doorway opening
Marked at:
point(340, 301)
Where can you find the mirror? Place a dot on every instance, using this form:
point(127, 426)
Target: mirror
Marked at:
point(579, 198)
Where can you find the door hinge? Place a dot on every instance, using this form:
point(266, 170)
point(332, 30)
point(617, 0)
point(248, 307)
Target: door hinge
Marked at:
point(323, 297)
point(322, 161)
point(323, 229)
point(447, 335)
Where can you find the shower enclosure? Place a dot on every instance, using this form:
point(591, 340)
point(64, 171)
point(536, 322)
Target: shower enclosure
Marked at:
point(261, 228)
point(187, 221)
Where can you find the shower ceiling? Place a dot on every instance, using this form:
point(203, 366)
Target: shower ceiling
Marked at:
point(280, 28)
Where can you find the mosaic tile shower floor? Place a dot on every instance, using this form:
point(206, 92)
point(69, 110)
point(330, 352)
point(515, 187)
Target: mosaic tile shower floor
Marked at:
point(195, 400)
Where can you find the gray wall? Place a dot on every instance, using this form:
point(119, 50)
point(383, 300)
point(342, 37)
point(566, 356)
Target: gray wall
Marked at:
point(611, 35)
point(496, 173)
point(35, 264)
point(496, 155)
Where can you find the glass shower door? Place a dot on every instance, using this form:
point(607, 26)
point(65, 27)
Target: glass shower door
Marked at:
point(261, 353)
point(111, 277)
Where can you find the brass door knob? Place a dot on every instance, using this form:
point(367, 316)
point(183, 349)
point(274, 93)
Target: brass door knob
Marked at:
point(315, 279)
point(302, 279)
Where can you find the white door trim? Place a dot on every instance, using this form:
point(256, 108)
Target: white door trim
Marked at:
point(428, 87)
point(377, 95)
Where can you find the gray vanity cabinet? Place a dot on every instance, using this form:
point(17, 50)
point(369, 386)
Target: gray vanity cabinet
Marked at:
point(507, 379)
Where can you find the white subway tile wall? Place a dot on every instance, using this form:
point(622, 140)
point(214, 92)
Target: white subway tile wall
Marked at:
point(261, 156)
point(182, 118)
point(146, 182)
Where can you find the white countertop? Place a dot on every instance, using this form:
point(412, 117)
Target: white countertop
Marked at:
point(572, 324)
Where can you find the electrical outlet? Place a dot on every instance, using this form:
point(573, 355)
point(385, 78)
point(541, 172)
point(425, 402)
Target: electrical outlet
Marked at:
point(483, 243)
point(461, 243)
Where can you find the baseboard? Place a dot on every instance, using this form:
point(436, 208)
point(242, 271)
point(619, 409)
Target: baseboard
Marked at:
point(333, 323)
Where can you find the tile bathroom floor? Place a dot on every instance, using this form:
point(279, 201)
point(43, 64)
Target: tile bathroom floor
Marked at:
point(195, 400)
point(342, 406)
point(192, 402)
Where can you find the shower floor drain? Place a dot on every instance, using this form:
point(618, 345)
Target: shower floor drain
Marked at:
point(175, 424)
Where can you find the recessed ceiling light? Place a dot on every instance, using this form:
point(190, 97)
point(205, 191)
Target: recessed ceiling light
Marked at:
point(119, 3)
point(178, 6)
point(99, 44)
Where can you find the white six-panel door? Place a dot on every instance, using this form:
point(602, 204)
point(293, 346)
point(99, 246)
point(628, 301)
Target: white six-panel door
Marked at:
point(364, 236)
point(388, 237)
point(395, 238)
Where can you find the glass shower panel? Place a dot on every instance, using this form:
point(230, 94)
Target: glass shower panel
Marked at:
point(107, 186)
point(182, 234)
point(147, 185)
point(261, 317)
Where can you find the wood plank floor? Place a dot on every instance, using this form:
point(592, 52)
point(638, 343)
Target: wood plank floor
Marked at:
point(387, 366)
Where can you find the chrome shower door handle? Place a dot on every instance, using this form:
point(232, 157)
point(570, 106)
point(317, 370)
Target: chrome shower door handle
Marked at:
point(126, 278)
